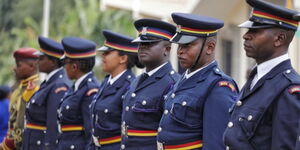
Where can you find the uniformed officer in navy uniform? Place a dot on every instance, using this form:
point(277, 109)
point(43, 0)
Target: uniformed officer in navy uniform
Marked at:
point(119, 55)
point(266, 115)
point(143, 103)
point(40, 124)
point(196, 110)
point(74, 117)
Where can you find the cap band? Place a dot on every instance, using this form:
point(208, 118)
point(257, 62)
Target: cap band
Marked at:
point(155, 32)
point(121, 47)
point(81, 55)
point(265, 15)
point(51, 53)
point(196, 31)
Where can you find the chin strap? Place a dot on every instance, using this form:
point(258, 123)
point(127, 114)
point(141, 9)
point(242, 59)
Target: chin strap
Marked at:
point(199, 55)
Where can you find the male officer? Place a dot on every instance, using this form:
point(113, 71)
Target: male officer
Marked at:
point(28, 80)
point(196, 110)
point(265, 117)
point(41, 127)
point(143, 103)
point(74, 118)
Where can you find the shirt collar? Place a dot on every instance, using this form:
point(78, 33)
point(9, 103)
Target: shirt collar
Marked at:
point(114, 79)
point(52, 73)
point(77, 83)
point(150, 73)
point(188, 75)
point(266, 67)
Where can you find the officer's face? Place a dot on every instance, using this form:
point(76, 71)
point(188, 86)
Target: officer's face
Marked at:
point(188, 53)
point(152, 53)
point(258, 44)
point(25, 68)
point(70, 68)
point(45, 64)
point(111, 61)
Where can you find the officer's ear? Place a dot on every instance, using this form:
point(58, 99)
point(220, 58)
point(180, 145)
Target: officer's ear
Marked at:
point(210, 45)
point(280, 39)
point(123, 59)
point(167, 48)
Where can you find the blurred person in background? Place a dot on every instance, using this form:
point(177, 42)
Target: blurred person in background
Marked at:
point(28, 83)
point(4, 114)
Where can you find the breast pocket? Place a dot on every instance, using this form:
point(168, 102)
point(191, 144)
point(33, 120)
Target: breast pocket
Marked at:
point(187, 111)
point(146, 104)
point(249, 119)
point(71, 109)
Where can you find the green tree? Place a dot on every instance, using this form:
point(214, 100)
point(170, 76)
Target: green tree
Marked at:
point(21, 23)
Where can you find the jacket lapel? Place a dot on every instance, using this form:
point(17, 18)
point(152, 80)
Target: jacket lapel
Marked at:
point(156, 76)
point(196, 78)
point(276, 70)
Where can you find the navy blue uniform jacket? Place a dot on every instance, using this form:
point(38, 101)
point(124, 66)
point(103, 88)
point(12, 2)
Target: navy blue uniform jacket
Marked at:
point(41, 126)
point(107, 112)
point(74, 115)
point(196, 111)
point(266, 118)
point(143, 108)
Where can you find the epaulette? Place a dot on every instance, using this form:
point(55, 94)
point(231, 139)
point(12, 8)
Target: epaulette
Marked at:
point(218, 71)
point(174, 75)
point(31, 88)
point(227, 84)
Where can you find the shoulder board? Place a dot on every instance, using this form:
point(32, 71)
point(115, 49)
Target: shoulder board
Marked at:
point(218, 71)
point(227, 84)
point(30, 90)
point(292, 75)
point(91, 91)
point(174, 75)
point(59, 89)
point(129, 78)
point(294, 89)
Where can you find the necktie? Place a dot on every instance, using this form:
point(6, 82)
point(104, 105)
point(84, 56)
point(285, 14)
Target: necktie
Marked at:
point(250, 78)
point(143, 77)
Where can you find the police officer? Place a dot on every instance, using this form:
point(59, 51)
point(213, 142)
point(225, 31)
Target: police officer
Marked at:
point(196, 110)
point(41, 129)
point(143, 103)
point(119, 55)
point(265, 117)
point(74, 112)
point(28, 84)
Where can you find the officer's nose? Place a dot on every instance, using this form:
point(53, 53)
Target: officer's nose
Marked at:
point(247, 36)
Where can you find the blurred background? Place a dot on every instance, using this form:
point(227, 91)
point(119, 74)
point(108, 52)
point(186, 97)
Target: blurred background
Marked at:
point(22, 21)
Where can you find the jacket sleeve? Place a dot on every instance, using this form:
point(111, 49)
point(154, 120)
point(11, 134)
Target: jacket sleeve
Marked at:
point(216, 115)
point(53, 101)
point(285, 119)
point(86, 113)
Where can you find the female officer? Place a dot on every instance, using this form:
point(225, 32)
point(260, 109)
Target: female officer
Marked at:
point(74, 116)
point(41, 129)
point(118, 57)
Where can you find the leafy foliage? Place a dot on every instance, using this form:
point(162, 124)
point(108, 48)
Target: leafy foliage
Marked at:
point(21, 24)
